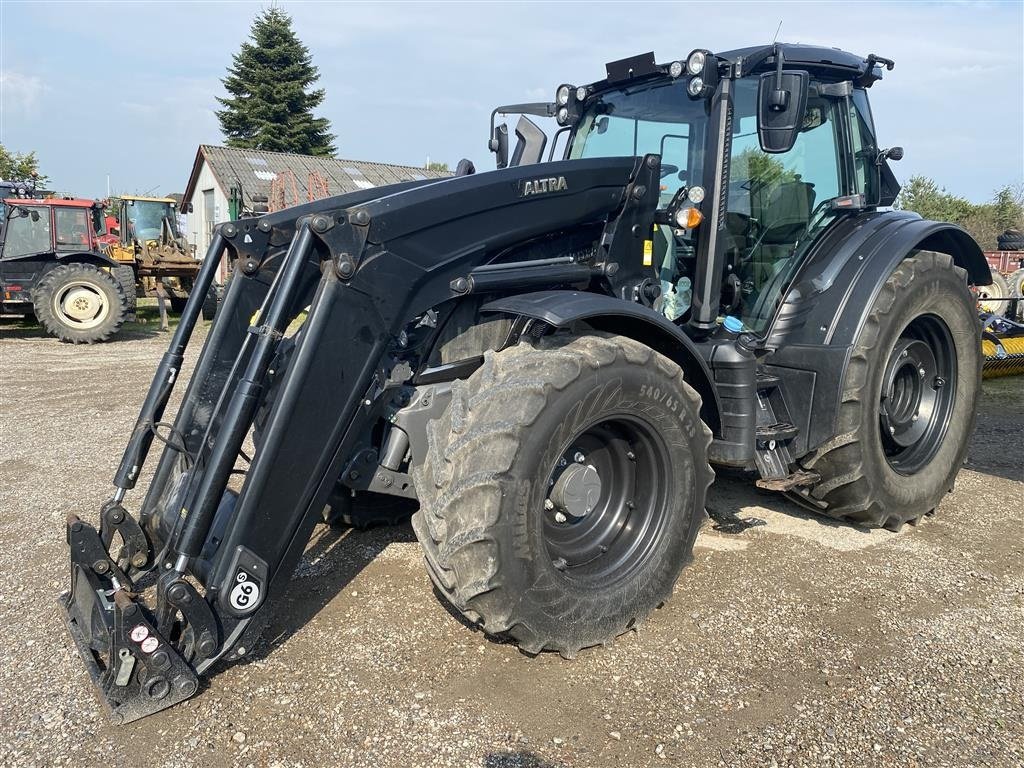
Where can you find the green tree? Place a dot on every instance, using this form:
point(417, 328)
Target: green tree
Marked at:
point(984, 221)
point(922, 195)
point(437, 167)
point(271, 99)
point(1008, 207)
point(18, 166)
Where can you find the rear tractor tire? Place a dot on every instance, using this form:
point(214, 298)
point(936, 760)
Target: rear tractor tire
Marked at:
point(80, 303)
point(992, 298)
point(563, 489)
point(125, 276)
point(908, 401)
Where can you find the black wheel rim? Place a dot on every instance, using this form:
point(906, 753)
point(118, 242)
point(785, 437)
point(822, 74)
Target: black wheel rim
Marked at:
point(917, 395)
point(629, 501)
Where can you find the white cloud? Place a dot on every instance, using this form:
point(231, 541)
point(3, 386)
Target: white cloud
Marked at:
point(20, 93)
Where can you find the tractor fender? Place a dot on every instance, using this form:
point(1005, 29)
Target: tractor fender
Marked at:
point(831, 297)
point(561, 309)
point(51, 259)
point(834, 290)
point(90, 257)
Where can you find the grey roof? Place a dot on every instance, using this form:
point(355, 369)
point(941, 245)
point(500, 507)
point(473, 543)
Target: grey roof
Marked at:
point(255, 170)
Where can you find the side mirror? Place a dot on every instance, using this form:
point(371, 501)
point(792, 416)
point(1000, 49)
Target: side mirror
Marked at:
point(781, 103)
point(893, 153)
point(499, 145)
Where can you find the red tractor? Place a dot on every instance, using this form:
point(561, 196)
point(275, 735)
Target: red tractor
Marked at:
point(52, 265)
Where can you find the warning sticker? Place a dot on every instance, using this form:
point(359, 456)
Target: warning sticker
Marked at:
point(648, 252)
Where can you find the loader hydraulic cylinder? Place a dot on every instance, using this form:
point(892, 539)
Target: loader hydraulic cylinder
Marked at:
point(167, 373)
point(273, 319)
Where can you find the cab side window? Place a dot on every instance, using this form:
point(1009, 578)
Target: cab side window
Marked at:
point(72, 227)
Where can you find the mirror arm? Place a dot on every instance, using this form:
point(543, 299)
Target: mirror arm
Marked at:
point(780, 98)
point(540, 109)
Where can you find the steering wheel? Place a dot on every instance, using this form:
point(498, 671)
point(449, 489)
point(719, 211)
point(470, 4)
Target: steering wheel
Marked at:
point(667, 169)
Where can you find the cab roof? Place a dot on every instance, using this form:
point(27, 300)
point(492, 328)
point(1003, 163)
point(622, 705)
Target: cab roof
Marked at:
point(809, 56)
point(149, 199)
point(60, 202)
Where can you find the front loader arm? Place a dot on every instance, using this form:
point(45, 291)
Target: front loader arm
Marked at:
point(368, 267)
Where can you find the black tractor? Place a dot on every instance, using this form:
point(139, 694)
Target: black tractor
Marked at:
point(545, 361)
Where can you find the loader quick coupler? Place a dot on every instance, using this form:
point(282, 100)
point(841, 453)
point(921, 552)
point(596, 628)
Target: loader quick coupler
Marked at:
point(136, 550)
point(130, 660)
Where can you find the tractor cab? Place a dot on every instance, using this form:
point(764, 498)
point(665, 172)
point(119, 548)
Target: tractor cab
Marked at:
point(148, 219)
point(144, 223)
point(145, 233)
point(760, 150)
point(32, 227)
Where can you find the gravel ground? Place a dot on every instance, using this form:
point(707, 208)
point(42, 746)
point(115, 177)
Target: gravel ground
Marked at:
point(796, 642)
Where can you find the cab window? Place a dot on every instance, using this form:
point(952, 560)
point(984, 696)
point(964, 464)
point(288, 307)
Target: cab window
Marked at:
point(72, 228)
point(27, 233)
point(864, 146)
point(647, 119)
point(773, 199)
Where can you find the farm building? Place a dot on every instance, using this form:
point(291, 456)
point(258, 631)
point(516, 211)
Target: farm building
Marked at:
point(225, 180)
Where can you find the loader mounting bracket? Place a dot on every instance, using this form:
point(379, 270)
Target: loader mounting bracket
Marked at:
point(136, 669)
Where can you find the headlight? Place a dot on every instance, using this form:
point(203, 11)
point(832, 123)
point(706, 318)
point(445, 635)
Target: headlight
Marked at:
point(695, 62)
point(581, 93)
point(563, 115)
point(562, 96)
point(675, 69)
point(695, 195)
point(695, 86)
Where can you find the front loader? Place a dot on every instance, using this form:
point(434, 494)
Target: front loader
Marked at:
point(547, 359)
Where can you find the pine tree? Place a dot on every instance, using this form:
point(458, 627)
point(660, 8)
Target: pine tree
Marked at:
point(270, 104)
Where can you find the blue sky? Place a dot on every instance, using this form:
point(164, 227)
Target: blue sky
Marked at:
point(128, 89)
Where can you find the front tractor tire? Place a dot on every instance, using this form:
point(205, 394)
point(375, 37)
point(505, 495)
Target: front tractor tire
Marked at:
point(80, 303)
point(908, 400)
point(563, 489)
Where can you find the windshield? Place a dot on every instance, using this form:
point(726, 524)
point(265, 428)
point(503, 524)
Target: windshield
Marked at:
point(147, 217)
point(655, 118)
point(27, 231)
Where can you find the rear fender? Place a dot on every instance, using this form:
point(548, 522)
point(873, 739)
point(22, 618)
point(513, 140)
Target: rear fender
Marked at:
point(830, 299)
point(47, 261)
point(87, 257)
point(562, 309)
